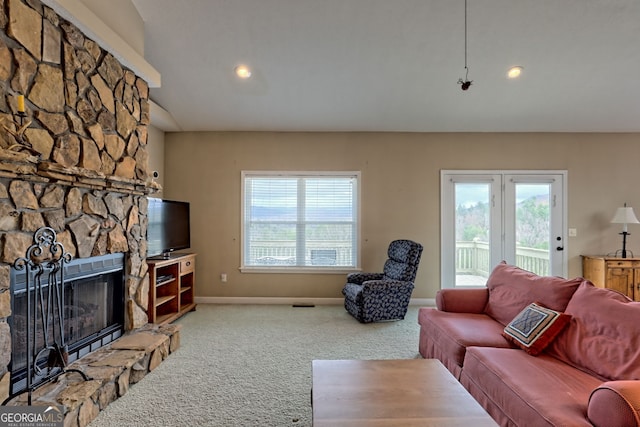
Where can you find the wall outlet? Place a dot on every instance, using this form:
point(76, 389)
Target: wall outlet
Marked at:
point(573, 232)
point(223, 277)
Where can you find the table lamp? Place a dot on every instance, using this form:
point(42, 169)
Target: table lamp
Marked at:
point(624, 216)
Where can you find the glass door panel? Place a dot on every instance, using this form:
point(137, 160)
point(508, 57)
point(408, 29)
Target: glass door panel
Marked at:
point(533, 227)
point(534, 223)
point(473, 202)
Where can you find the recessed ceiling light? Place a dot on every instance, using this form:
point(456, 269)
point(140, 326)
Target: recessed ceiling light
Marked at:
point(243, 71)
point(514, 72)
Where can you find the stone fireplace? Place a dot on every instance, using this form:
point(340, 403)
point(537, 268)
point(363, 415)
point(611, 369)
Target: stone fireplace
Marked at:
point(75, 161)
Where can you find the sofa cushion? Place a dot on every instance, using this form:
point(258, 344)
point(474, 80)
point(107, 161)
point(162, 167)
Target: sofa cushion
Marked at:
point(511, 289)
point(535, 327)
point(603, 336)
point(517, 389)
point(446, 336)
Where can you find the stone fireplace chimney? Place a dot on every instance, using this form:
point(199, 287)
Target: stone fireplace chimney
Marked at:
point(76, 160)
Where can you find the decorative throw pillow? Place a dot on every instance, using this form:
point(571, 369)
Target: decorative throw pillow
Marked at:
point(535, 327)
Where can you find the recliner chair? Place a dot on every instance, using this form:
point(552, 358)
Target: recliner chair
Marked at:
point(374, 297)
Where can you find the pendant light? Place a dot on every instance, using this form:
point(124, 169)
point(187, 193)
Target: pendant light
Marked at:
point(466, 83)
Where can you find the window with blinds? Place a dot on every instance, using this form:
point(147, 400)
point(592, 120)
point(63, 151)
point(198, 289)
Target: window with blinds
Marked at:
point(295, 220)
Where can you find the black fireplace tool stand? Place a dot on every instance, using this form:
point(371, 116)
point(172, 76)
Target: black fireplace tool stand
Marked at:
point(47, 352)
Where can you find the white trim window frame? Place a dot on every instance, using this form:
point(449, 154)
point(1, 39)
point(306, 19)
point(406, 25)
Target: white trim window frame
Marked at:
point(300, 222)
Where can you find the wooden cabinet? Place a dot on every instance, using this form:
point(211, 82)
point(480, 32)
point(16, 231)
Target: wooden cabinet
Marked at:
point(621, 274)
point(171, 287)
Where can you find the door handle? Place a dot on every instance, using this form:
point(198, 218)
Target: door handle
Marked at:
point(559, 248)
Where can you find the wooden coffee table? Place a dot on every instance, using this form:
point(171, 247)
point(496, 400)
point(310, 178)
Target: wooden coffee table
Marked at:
point(414, 392)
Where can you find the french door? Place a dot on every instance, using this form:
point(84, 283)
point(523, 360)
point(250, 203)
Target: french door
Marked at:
point(491, 216)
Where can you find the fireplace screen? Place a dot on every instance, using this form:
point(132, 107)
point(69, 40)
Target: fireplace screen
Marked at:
point(93, 312)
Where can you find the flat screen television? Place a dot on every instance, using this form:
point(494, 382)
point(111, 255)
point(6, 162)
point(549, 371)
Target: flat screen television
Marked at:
point(168, 229)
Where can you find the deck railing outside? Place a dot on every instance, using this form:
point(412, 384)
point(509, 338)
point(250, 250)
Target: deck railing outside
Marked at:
point(473, 258)
point(320, 253)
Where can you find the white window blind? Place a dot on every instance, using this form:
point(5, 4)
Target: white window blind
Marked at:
point(299, 220)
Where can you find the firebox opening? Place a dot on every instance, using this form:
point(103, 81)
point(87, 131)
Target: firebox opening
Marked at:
point(93, 311)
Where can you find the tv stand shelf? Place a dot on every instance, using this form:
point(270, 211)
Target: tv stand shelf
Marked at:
point(162, 300)
point(171, 287)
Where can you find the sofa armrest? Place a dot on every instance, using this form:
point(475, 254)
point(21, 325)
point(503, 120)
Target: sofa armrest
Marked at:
point(360, 278)
point(614, 404)
point(462, 300)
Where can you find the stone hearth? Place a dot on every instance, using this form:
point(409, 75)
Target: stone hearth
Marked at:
point(75, 161)
point(112, 369)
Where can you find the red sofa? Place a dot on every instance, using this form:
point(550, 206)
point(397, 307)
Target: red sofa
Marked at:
point(588, 374)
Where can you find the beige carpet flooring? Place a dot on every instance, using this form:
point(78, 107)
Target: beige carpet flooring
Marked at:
point(250, 365)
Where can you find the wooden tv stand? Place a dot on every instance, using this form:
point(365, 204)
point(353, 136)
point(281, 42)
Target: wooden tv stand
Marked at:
point(171, 287)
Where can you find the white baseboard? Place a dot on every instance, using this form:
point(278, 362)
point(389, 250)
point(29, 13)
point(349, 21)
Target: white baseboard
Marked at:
point(268, 300)
point(426, 302)
point(423, 302)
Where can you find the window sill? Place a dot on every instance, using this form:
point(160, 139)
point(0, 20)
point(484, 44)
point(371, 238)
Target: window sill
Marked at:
point(299, 270)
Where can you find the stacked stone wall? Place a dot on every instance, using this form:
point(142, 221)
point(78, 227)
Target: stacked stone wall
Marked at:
point(77, 159)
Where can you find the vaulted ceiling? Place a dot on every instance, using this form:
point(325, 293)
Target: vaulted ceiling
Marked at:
point(393, 65)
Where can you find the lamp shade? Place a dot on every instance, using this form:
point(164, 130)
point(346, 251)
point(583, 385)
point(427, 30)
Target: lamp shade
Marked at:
point(625, 215)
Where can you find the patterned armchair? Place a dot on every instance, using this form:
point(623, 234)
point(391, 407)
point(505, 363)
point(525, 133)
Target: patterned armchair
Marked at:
point(372, 297)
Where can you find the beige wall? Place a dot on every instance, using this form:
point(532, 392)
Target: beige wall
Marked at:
point(400, 193)
point(155, 149)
